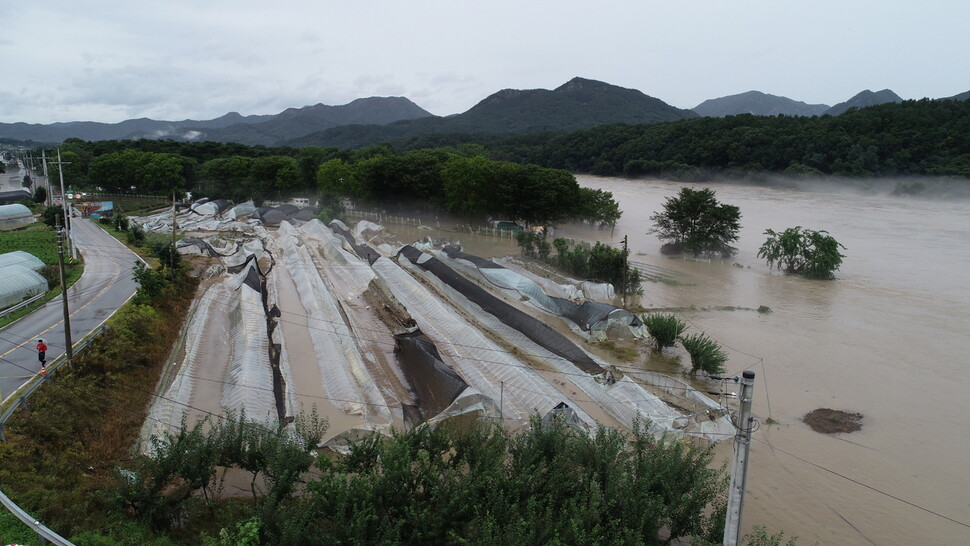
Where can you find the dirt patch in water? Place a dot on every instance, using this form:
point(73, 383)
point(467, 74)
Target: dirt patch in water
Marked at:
point(829, 421)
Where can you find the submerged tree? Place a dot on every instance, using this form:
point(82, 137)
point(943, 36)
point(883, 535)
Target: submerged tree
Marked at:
point(705, 354)
point(664, 328)
point(799, 251)
point(694, 222)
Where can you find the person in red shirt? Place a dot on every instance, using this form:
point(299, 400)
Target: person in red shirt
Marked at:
point(41, 352)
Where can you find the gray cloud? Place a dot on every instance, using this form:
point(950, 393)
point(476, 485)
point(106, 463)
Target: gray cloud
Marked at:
point(200, 60)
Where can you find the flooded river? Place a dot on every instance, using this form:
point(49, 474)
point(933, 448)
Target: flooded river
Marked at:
point(887, 339)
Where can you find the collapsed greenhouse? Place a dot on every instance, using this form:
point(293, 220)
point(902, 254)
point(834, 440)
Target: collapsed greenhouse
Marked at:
point(376, 334)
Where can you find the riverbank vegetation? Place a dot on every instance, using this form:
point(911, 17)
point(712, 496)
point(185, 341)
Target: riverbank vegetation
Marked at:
point(460, 180)
point(465, 183)
point(600, 262)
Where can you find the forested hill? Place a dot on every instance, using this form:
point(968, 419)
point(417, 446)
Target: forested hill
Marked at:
point(759, 104)
point(578, 104)
point(910, 138)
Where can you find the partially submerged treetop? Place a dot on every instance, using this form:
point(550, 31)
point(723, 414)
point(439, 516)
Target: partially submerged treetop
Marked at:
point(693, 222)
point(800, 251)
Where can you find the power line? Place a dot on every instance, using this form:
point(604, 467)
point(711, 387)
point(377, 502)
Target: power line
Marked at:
point(867, 486)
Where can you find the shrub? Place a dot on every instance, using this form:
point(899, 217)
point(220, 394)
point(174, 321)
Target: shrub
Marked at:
point(533, 245)
point(52, 274)
point(53, 216)
point(602, 262)
point(705, 354)
point(664, 329)
point(135, 235)
point(120, 222)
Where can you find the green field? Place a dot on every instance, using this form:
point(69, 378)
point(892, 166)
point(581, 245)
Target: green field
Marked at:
point(41, 241)
point(37, 239)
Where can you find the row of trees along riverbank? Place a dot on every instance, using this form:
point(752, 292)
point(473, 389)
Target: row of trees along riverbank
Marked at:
point(458, 180)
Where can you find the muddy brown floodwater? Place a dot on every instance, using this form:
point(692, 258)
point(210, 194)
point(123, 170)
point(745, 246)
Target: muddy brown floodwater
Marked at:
point(887, 339)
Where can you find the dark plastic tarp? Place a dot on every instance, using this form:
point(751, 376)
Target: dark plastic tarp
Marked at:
point(536, 330)
point(435, 384)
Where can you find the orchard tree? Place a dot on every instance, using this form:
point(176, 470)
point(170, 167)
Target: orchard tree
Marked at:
point(799, 251)
point(695, 223)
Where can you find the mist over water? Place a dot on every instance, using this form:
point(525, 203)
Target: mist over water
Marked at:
point(888, 339)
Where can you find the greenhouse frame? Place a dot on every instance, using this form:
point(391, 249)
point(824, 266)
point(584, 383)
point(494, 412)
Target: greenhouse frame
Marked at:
point(18, 283)
point(14, 216)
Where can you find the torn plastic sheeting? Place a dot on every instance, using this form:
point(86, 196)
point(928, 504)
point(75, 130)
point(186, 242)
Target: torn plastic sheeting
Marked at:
point(249, 378)
point(332, 246)
point(469, 404)
point(435, 384)
point(538, 331)
point(242, 209)
point(651, 408)
point(365, 252)
point(589, 387)
point(342, 367)
point(597, 290)
point(364, 226)
point(484, 365)
point(478, 261)
point(563, 415)
point(210, 208)
point(593, 317)
point(204, 246)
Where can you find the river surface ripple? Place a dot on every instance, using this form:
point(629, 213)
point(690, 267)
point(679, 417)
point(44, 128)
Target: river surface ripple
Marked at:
point(887, 339)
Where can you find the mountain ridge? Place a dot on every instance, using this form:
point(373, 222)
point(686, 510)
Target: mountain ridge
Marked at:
point(580, 103)
point(863, 99)
point(253, 129)
point(757, 103)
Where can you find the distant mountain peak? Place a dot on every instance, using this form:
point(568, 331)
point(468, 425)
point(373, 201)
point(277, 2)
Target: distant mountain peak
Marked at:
point(759, 104)
point(579, 84)
point(863, 99)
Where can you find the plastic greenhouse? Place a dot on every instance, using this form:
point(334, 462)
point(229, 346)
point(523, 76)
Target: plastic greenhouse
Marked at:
point(19, 257)
point(15, 215)
point(18, 283)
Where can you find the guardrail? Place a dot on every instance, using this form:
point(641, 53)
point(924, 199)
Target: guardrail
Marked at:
point(21, 305)
point(20, 400)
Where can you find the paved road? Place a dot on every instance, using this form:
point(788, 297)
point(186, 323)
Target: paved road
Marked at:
point(105, 285)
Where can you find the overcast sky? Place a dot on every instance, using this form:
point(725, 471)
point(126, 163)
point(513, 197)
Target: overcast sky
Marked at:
point(107, 60)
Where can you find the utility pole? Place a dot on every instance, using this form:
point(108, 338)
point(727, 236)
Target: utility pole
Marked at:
point(50, 196)
point(67, 314)
point(739, 468)
point(172, 253)
point(625, 267)
point(67, 206)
